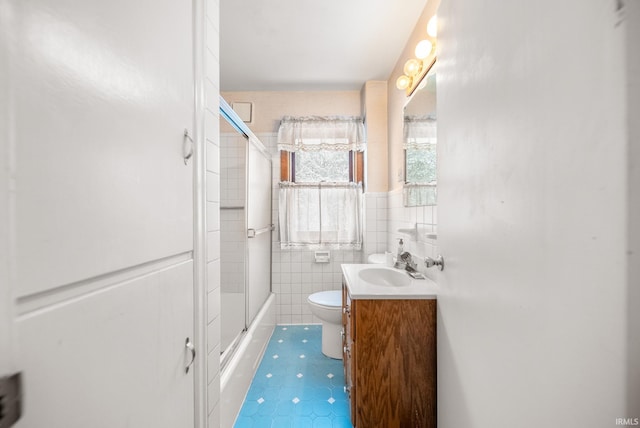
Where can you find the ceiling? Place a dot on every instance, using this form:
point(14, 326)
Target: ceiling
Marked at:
point(277, 45)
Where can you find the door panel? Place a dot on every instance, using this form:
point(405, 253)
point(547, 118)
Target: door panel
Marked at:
point(114, 358)
point(100, 97)
point(95, 99)
point(259, 219)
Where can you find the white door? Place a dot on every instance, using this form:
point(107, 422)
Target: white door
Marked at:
point(97, 211)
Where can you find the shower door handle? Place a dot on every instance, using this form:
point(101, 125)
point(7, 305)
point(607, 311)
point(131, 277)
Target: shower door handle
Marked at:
point(187, 139)
point(252, 233)
point(189, 345)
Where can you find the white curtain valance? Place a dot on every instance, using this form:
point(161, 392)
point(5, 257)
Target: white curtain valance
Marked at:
point(327, 215)
point(314, 133)
point(420, 133)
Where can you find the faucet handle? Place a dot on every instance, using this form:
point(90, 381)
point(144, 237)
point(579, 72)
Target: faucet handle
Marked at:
point(439, 261)
point(406, 257)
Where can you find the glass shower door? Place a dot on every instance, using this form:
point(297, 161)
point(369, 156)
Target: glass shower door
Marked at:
point(259, 229)
point(233, 237)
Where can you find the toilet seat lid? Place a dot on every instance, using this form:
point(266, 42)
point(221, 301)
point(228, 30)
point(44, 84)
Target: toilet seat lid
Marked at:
point(377, 258)
point(327, 298)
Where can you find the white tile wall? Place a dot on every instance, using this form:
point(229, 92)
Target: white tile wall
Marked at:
point(232, 173)
point(375, 223)
point(401, 217)
point(295, 275)
point(212, 135)
point(232, 214)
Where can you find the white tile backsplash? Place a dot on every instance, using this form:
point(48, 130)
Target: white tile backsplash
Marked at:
point(295, 275)
point(401, 217)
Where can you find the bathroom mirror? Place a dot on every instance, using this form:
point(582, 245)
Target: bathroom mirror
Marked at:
point(419, 143)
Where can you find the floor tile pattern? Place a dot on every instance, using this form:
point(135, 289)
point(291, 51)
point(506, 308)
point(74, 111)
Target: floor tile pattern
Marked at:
point(296, 386)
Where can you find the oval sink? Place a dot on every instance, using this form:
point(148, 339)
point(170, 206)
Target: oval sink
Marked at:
point(384, 277)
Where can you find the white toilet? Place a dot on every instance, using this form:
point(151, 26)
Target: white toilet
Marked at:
point(327, 305)
point(377, 258)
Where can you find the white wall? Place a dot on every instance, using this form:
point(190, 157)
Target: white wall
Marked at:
point(212, 135)
point(397, 98)
point(294, 274)
point(270, 106)
point(534, 310)
point(632, 14)
point(6, 306)
point(399, 216)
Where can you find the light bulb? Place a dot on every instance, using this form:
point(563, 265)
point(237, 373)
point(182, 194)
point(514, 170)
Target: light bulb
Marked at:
point(432, 26)
point(412, 67)
point(403, 82)
point(423, 49)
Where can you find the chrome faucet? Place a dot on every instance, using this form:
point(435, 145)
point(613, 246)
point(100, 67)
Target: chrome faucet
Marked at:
point(406, 262)
point(439, 261)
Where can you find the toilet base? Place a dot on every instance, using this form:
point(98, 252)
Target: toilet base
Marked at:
point(332, 340)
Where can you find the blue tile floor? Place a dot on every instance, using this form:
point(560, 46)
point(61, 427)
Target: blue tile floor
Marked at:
point(296, 386)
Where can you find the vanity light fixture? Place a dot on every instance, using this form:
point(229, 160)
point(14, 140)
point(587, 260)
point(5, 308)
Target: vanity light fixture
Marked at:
point(416, 68)
point(403, 82)
point(412, 67)
point(423, 49)
point(432, 26)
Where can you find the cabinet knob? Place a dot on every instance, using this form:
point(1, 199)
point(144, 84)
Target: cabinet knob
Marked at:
point(347, 350)
point(346, 310)
point(347, 390)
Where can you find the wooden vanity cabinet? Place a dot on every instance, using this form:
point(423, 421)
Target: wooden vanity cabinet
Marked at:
point(389, 351)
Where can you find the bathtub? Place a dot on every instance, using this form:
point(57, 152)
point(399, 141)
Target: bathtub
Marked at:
point(238, 372)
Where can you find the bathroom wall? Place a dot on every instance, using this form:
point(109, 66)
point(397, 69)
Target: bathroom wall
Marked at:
point(374, 110)
point(295, 275)
point(232, 211)
point(397, 98)
point(212, 135)
point(269, 107)
point(536, 185)
point(403, 220)
point(632, 89)
point(400, 217)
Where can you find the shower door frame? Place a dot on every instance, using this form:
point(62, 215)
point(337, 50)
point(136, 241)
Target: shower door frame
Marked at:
point(251, 140)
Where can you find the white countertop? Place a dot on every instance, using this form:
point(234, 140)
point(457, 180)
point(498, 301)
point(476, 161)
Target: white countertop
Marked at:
point(361, 289)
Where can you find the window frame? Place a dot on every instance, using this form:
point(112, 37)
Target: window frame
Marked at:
point(288, 168)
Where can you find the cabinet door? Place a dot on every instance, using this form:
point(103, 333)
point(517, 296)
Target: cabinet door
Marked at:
point(98, 94)
point(112, 359)
point(101, 94)
point(395, 363)
point(349, 346)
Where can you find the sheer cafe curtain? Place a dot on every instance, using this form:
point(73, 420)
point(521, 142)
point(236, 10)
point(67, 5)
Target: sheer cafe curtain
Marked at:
point(420, 139)
point(321, 214)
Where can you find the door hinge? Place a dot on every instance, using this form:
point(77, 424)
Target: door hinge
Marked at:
point(10, 399)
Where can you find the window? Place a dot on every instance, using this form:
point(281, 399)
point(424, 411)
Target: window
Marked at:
point(321, 173)
point(420, 144)
point(322, 166)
